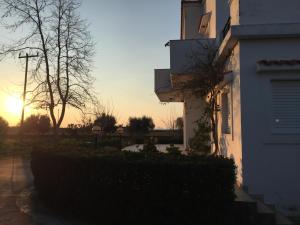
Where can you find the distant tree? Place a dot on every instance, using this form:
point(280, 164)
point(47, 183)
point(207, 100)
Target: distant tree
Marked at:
point(37, 124)
point(72, 129)
point(170, 121)
point(107, 123)
point(44, 124)
point(3, 126)
point(86, 125)
point(179, 123)
point(141, 125)
point(31, 124)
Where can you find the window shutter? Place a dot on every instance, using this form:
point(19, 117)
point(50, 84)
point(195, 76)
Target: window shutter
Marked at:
point(225, 113)
point(285, 106)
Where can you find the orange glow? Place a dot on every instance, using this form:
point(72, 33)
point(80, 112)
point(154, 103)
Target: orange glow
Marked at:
point(13, 105)
point(11, 108)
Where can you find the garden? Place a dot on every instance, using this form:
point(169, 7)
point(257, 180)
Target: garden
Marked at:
point(133, 188)
point(101, 184)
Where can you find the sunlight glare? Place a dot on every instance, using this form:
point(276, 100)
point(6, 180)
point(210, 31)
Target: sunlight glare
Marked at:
point(13, 105)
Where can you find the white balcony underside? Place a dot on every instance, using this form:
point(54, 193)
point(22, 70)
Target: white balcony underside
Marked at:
point(169, 96)
point(163, 87)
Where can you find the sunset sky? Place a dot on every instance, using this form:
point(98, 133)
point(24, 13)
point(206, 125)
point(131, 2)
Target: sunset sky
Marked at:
point(130, 37)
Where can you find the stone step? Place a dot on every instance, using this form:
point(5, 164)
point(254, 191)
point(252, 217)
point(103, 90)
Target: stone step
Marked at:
point(258, 197)
point(266, 214)
point(242, 196)
point(282, 220)
point(266, 219)
point(271, 206)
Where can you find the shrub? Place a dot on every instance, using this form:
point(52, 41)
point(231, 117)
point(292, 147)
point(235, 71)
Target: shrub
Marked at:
point(173, 150)
point(200, 143)
point(37, 124)
point(149, 146)
point(107, 141)
point(140, 126)
point(44, 124)
point(130, 188)
point(3, 127)
point(3, 130)
point(107, 123)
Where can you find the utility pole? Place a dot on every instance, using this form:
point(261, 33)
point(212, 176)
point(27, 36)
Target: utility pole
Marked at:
point(27, 56)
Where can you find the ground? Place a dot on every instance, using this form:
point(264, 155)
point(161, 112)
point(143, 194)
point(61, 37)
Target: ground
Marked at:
point(15, 175)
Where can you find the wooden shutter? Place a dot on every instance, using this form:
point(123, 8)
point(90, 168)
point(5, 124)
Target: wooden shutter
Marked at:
point(225, 113)
point(285, 106)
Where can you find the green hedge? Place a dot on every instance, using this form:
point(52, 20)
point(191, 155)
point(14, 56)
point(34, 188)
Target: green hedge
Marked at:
point(136, 188)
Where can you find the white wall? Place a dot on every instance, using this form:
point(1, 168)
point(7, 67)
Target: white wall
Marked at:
point(162, 80)
point(191, 18)
point(234, 11)
point(269, 11)
point(222, 15)
point(210, 6)
point(270, 161)
point(193, 109)
point(231, 144)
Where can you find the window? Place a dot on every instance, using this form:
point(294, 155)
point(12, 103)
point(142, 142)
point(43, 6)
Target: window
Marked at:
point(225, 104)
point(285, 95)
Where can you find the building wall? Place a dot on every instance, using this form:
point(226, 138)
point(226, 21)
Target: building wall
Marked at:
point(193, 109)
point(269, 11)
point(222, 16)
point(270, 161)
point(231, 142)
point(234, 11)
point(191, 16)
point(210, 7)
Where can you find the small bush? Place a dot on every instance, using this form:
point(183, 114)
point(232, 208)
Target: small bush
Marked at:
point(173, 150)
point(3, 127)
point(132, 188)
point(200, 143)
point(149, 146)
point(3, 130)
point(110, 142)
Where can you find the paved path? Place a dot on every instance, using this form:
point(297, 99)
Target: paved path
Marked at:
point(15, 175)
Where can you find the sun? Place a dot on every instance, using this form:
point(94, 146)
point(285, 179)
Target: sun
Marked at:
point(13, 105)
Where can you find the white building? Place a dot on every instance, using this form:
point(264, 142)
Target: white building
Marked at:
point(259, 121)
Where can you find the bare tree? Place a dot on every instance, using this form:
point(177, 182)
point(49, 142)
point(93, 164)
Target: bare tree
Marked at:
point(170, 121)
point(209, 72)
point(62, 72)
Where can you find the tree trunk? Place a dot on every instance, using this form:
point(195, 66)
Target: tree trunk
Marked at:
point(214, 126)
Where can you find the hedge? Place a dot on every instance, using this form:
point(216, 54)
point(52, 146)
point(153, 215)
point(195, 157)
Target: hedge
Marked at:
point(136, 188)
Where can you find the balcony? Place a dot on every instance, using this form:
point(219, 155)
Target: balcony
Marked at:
point(185, 56)
point(163, 87)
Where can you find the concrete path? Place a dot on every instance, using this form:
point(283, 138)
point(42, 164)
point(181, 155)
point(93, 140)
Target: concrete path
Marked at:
point(15, 175)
